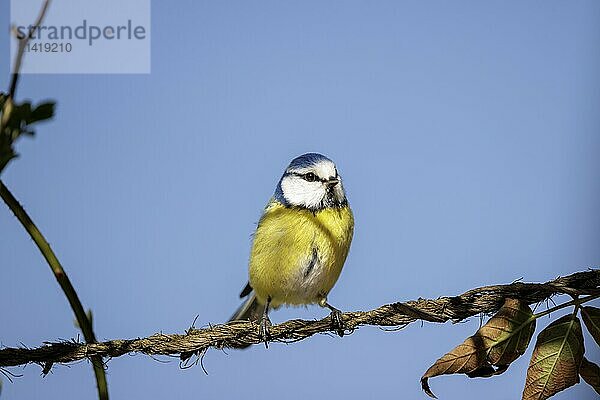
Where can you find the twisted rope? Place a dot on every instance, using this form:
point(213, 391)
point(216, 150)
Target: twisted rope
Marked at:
point(236, 334)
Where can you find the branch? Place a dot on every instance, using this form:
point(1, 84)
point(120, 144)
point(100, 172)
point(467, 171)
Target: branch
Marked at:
point(84, 322)
point(63, 280)
point(239, 334)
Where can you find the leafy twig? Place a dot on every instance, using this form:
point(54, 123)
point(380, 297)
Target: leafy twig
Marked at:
point(26, 116)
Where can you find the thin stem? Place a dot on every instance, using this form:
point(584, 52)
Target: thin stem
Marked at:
point(21, 44)
point(574, 302)
point(21, 49)
point(63, 281)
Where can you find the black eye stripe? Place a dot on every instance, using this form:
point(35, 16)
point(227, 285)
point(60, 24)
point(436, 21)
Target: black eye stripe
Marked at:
point(309, 176)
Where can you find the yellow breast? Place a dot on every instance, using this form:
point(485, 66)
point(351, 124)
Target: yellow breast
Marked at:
point(297, 255)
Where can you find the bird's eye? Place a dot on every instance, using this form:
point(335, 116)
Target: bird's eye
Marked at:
point(310, 177)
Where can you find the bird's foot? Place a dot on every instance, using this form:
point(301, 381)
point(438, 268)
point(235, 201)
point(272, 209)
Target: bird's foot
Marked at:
point(263, 329)
point(337, 321)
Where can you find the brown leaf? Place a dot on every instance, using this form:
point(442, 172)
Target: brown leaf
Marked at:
point(591, 319)
point(487, 371)
point(590, 373)
point(555, 361)
point(498, 343)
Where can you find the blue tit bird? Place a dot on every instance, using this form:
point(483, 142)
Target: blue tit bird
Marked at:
point(301, 242)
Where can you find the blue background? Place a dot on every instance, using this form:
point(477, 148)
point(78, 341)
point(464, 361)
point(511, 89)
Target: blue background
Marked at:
point(467, 134)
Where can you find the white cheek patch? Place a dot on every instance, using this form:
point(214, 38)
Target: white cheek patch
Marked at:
point(299, 192)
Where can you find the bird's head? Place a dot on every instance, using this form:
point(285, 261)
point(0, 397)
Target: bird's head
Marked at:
point(311, 181)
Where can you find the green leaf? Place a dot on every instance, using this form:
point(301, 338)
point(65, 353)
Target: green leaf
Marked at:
point(591, 319)
point(21, 116)
point(17, 119)
point(498, 343)
point(555, 361)
point(41, 112)
point(6, 151)
point(590, 373)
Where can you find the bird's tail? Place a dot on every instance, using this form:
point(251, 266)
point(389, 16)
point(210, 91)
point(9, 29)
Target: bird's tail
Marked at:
point(250, 310)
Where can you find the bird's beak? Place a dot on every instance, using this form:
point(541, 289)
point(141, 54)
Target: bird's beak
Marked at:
point(332, 182)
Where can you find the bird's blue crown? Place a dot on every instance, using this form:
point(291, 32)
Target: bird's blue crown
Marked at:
point(306, 160)
point(303, 161)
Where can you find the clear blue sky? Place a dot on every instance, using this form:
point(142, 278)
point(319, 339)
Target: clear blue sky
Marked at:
point(467, 134)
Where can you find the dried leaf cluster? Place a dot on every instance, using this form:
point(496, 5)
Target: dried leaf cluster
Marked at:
point(557, 362)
